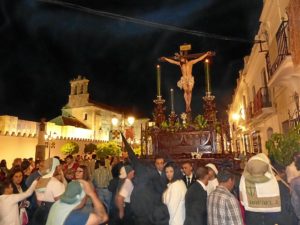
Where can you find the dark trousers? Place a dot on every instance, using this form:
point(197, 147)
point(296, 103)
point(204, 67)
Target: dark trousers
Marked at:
point(257, 218)
point(128, 217)
point(40, 215)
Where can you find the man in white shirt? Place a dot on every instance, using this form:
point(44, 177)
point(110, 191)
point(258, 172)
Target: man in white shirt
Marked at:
point(53, 191)
point(48, 190)
point(123, 196)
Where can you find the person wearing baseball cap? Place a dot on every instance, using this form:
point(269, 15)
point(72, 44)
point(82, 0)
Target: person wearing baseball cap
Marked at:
point(124, 171)
point(67, 210)
point(124, 194)
point(213, 181)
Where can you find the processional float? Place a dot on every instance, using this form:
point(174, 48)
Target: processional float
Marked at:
point(178, 135)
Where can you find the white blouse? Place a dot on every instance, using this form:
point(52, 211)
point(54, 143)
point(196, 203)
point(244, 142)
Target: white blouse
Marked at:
point(211, 186)
point(9, 209)
point(174, 198)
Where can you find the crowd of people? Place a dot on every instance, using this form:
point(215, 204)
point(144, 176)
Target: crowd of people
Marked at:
point(130, 191)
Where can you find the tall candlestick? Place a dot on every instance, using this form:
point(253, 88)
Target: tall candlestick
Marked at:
point(158, 80)
point(172, 100)
point(207, 76)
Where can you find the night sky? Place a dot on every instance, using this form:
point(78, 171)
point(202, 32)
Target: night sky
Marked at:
point(44, 45)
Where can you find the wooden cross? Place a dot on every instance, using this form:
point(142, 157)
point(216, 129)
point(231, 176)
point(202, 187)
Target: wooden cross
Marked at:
point(183, 53)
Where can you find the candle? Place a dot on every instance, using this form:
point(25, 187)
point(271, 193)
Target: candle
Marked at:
point(207, 75)
point(172, 100)
point(158, 79)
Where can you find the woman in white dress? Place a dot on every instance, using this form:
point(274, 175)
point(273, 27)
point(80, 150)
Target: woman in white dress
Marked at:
point(174, 195)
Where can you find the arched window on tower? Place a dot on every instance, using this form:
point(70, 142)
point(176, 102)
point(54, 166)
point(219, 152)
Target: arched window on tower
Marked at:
point(75, 90)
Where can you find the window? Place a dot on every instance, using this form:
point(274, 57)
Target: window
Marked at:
point(256, 141)
point(75, 90)
point(238, 148)
point(85, 117)
point(264, 78)
point(269, 132)
point(253, 92)
point(247, 143)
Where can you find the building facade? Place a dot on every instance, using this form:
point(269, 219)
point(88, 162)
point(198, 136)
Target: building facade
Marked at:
point(266, 98)
point(83, 121)
point(84, 118)
point(92, 119)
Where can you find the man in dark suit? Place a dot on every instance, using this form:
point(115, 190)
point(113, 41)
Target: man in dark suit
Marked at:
point(189, 176)
point(195, 199)
point(145, 199)
point(159, 178)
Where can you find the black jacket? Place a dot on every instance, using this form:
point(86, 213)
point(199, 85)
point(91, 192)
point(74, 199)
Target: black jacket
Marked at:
point(192, 181)
point(195, 205)
point(145, 199)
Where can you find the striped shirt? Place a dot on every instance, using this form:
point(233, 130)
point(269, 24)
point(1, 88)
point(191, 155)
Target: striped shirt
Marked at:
point(223, 208)
point(102, 177)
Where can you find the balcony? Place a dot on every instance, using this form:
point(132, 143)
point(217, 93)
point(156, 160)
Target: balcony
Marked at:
point(260, 107)
point(261, 101)
point(249, 112)
point(278, 49)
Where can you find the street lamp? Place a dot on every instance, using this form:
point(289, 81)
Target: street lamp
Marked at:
point(236, 116)
point(122, 125)
point(130, 131)
point(115, 121)
point(130, 120)
point(49, 141)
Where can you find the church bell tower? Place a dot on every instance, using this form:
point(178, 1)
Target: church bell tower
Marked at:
point(79, 95)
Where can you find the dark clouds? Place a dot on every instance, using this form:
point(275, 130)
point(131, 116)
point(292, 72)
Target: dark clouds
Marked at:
point(43, 46)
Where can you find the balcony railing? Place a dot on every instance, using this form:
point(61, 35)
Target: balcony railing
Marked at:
point(261, 101)
point(278, 49)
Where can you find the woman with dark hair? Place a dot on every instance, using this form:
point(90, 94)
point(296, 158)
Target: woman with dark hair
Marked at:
point(82, 172)
point(3, 170)
point(18, 183)
point(174, 195)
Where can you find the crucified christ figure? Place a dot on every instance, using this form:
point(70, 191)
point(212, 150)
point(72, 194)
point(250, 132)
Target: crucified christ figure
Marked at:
point(186, 81)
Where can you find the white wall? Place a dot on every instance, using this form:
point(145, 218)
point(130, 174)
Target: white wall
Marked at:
point(12, 147)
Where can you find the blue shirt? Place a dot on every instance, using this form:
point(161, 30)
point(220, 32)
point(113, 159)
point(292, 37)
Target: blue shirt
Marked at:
point(77, 217)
